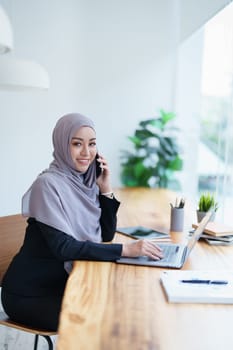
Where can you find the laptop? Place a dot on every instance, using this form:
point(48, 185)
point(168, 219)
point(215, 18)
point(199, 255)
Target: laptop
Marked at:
point(175, 255)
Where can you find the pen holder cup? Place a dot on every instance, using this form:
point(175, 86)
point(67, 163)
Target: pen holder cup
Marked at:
point(177, 219)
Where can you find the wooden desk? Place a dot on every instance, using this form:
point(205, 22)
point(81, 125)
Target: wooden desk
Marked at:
point(119, 307)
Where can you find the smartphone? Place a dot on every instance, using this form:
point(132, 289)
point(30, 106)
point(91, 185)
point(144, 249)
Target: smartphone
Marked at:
point(98, 166)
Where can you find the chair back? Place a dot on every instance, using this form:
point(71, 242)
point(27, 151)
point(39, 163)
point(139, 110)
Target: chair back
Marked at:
point(12, 231)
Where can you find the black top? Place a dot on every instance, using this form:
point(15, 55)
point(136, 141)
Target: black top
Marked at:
point(38, 268)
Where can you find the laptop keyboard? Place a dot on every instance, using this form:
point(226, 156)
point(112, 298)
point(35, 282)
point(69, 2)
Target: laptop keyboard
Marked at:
point(169, 251)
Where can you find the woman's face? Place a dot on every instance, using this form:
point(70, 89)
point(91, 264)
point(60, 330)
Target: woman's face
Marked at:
point(83, 148)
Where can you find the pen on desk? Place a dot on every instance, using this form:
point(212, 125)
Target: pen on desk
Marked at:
point(198, 281)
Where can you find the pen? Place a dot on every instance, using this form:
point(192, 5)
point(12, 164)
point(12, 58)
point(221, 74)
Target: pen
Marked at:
point(182, 203)
point(198, 281)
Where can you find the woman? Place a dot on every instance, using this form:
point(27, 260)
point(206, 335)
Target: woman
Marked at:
point(70, 213)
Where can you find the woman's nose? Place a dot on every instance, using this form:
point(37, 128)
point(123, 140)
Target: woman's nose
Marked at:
point(85, 150)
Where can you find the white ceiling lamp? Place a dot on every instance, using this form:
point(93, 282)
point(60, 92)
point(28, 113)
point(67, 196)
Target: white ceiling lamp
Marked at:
point(17, 74)
point(6, 34)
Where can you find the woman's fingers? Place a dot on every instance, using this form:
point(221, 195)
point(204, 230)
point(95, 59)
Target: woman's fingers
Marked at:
point(142, 247)
point(103, 163)
point(152, 250)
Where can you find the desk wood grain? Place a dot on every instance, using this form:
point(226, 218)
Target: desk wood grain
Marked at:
point(117, 307)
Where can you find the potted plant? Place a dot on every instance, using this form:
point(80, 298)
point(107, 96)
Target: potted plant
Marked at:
point(206, 202)
point(155, 156)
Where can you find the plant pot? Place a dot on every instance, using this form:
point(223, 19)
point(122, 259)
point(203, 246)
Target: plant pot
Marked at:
point(201, 214)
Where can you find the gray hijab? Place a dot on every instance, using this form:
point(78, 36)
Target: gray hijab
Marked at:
point(61, 196)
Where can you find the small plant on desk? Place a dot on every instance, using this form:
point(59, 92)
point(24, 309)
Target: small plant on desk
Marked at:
point(206, 202)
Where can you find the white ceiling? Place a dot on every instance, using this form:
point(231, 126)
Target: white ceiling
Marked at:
point(195, 13)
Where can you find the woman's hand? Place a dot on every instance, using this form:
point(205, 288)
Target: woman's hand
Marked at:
point(142, 247)
point(103, 181)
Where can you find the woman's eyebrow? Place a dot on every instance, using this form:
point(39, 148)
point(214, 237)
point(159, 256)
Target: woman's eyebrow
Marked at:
point(81, 139)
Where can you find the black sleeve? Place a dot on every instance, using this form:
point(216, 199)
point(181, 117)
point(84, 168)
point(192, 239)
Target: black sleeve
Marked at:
point(64, 247)
point(108, 219)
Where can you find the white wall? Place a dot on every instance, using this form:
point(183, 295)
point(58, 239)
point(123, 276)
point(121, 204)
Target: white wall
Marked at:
point(111, 60)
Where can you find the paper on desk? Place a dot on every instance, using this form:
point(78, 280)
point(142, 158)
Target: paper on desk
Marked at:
point(178, 292)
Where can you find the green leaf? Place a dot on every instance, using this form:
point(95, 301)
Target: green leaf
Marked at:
point(136, 141)
point(167, 145)
point(166, 117)
point(143, 134)
point(139, 169)
point(176, 164)
point(155, 122)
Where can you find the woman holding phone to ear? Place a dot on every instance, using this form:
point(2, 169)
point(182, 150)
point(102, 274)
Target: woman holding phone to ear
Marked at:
point(71, 212)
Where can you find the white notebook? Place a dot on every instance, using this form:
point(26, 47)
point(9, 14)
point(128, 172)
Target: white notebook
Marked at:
point(187, 286)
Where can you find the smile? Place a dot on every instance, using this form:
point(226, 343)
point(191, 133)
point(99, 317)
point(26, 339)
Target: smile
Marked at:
point(84, 162)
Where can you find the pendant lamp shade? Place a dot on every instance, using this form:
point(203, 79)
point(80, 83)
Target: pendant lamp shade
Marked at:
point(19, 74)
point(6, 33)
